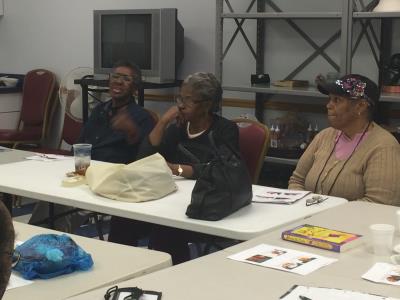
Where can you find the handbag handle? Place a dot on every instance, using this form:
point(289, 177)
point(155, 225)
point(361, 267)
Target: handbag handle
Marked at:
point(193, 157)
point(188, 153)
point(215, 148)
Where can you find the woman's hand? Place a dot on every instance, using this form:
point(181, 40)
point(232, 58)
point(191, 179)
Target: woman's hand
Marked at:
point(172, 114)
point(186, 170)
point(123, 122)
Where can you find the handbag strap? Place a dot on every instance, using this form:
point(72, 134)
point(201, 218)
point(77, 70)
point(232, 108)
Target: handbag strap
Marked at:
point(223, 142)
point(214, 149)
point(189, 154)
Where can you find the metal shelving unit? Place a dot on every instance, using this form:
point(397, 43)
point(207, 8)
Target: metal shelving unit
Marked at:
point(264, 89)
point(348, 16)
point(284, 15)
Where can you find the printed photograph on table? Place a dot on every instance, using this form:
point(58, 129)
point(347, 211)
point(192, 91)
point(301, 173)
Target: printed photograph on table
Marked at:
point(282, 259)
point(305, 259)
point(384, 273)
point(290, 265)
point(393, 278)
point(278, 252)
point(304, 292)
point(258, 258)
point(297, 262)
point(278, 196)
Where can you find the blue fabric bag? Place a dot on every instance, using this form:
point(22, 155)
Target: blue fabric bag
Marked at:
point(49, 255)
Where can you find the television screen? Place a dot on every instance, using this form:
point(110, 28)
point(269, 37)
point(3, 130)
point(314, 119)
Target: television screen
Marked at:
point(126, 37)
point(151, 38)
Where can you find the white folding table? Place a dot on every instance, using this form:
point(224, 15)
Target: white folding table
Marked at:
point(112, 263)
point(42, 180)
point(214, 277)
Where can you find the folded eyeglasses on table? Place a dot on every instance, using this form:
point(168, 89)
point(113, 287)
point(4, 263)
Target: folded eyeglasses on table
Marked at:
point(129, 293)
point(315, 200)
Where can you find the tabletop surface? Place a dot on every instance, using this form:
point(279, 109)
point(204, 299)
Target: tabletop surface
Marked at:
point(112, 263)
point(8, 155)
point(215, 277)
point(42, 180)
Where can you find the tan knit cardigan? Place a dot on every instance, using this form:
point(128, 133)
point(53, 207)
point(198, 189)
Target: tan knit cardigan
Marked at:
point(371, 174)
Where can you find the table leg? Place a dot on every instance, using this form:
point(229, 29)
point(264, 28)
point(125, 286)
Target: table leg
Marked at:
point(51, 215)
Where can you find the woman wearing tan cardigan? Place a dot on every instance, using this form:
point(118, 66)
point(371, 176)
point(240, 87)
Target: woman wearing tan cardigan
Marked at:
point(354, 158)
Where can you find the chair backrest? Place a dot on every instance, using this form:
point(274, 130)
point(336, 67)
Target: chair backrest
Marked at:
point(253, 142)
point(155, 116)
point(71, 130)
point(37, 96)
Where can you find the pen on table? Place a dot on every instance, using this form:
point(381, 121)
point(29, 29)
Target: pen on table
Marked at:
point(304, 298)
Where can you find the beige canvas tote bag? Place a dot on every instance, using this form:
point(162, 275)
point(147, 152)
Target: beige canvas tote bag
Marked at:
point(146, 179)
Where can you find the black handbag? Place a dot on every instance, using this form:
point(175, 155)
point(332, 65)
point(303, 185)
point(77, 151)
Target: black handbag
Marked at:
point(223, 187)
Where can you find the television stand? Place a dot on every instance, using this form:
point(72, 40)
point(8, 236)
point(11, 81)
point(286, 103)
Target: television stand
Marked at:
point(101, 85)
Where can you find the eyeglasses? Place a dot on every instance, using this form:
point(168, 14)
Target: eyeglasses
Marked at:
point(15, 257)
point(130, 293)
point(187, 101)
point(315, 200)
point(123, 77)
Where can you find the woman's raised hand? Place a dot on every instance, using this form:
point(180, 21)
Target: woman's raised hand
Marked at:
point(172, 114)
point(122, 121)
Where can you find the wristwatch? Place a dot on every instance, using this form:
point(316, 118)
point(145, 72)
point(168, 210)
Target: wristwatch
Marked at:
point(180, 170)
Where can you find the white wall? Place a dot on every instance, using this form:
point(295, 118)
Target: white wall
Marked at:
point(58, 34)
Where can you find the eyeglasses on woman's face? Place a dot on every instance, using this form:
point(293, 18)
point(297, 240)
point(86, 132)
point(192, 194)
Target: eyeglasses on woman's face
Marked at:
point(123, 77)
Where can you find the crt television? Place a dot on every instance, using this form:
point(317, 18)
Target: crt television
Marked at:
point(151, 38)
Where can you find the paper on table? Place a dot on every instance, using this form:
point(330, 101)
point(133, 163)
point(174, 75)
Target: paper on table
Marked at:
point(3, 149)
point(384, 273)
point(328, 294)
point(123, 295)
point(148, 297)
point(265, 194)
point(17, 281)
point(283, 259)
point(48, 157)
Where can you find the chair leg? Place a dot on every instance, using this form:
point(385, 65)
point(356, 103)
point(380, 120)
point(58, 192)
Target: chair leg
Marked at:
point(199, 249)
point(17, 203)
point(217, 244)
point(51, 216)
point(98, 220)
